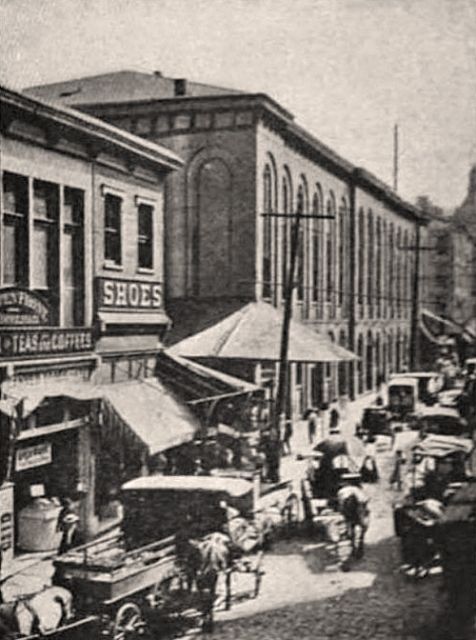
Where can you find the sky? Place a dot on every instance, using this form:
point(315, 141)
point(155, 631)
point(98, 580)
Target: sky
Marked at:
point(348, 70)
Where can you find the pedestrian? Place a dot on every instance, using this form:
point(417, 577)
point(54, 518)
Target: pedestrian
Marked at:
point(369, 470)
point(67, 524)
point(396, 477)
point(334, 416)
point(288, 432)
point(312, 423)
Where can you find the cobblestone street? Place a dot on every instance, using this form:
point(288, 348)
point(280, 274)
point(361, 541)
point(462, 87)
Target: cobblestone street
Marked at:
point(305, 595)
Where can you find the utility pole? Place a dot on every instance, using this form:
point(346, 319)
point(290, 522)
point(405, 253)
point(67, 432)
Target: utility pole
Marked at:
point(281, 396)
point(395, 158)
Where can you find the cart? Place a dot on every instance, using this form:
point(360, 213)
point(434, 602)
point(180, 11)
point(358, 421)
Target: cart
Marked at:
point(113, 583)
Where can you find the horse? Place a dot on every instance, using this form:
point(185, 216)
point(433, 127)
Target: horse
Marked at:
point(38, 613)
point(202, 561)
point(353, 505)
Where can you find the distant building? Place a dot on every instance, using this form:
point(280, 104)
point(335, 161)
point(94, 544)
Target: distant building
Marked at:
point(448, 274)
point(245, 157)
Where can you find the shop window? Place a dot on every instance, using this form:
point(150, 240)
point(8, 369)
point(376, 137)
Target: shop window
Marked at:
point(45, 242)
point(73, 258)
point(15, 230)
point(145, 237)
point(112, 229)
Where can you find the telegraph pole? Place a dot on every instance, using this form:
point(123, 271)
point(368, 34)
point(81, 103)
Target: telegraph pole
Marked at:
point(395, 158)
point(281, 396)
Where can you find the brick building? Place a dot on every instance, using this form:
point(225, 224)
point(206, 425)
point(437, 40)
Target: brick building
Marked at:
point(245, 156)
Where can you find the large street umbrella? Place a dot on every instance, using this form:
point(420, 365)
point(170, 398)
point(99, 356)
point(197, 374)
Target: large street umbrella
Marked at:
point(254, 333)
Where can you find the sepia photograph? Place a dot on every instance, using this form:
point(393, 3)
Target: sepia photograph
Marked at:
point(238, 319)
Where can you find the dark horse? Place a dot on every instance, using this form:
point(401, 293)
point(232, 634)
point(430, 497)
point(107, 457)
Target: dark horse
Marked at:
point(202, 561)
point(353, 505)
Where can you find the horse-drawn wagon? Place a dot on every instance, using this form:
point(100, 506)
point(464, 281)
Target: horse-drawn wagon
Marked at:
point(174, 542)
point(438, 462)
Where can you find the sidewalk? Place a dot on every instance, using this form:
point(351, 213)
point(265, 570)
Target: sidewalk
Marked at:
point(31, 571)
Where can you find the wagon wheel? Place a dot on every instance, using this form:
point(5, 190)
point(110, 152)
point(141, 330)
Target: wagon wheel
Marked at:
point(128, 622)
point(290, 512)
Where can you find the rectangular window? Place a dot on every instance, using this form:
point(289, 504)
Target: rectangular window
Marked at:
point(112, 229)
point(73, 258)
point(15, 230)
point(45, 242)
point(145, 237)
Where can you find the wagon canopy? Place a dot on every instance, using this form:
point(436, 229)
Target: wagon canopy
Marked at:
point(442, 446)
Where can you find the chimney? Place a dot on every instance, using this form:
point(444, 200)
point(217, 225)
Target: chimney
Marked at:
point(158, 74)
point(180, 87)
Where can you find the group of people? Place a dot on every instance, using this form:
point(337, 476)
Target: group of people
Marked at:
point(317, 417)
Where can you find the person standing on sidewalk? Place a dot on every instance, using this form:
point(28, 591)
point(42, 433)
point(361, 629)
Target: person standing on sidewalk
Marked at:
point(312, 424)
point(334, 416)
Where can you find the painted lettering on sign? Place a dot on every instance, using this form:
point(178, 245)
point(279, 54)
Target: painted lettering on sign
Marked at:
point(128, 294)
point(35, 456)
point(22, 307)
point(25, 342)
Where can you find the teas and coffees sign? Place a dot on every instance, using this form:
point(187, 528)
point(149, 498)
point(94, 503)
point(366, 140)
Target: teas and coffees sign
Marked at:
point(44, 341)
point(114, 294)
point(25, 330)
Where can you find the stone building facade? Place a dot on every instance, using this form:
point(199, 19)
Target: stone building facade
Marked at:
point(245, 157)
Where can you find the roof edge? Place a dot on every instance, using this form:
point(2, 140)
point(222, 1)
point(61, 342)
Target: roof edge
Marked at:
point(92, 126)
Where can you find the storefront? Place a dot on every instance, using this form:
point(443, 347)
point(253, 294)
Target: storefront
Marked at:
point(45, 411)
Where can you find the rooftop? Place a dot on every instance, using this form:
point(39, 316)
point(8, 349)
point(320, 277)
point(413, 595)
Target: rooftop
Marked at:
point(67, 119)
point(126, 85)
point(133, 88)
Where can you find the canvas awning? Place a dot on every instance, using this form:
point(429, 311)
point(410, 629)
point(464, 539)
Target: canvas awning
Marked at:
point(446, 328)
point(254, 333)
point(157, 418)
point(146, 409)
point(197, 383)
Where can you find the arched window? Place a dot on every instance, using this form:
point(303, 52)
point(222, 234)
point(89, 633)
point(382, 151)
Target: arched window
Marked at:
point(398, 266)
point(370, 262)
point(406, 270)
point(315, 252)
point(212, 230)
point(267, 232)
point(384, 270)
point(342, 251)
point(286, 195)
point(330, 261)
point(301, 208)
point(391, 282)
point(379, 267)
point(361, 257)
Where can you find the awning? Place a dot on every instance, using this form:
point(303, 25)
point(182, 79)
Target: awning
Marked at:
point(157, 418)
point(24, 397)
point(144, 408)
point(197, 383)
point(254, 333)
point(449, 328)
